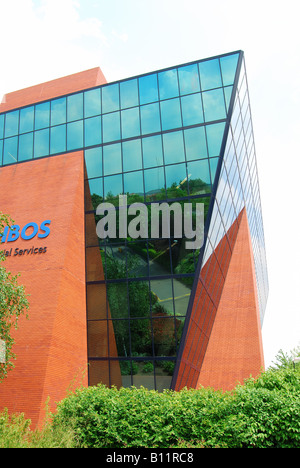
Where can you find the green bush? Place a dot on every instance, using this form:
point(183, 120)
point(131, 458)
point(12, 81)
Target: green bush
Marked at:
point(261, 413)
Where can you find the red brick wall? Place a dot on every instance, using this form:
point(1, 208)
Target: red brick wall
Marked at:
point(51, 89)
point(227, 275)
point(235, 350)
point(51, 346)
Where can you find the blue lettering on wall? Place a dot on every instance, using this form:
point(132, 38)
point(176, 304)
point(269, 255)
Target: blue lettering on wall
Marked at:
point(28, 232)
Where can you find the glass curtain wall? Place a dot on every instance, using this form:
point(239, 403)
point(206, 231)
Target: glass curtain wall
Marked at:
point(153, 138)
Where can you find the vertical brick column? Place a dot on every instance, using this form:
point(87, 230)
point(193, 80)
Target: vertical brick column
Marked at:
point(51, 346)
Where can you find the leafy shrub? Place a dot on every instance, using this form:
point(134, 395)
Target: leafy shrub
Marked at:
point(261, 413)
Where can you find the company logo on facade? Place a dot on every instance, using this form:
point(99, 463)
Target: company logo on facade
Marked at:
point(28, 232)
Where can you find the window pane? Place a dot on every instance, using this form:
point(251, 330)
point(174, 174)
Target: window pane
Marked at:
point(1, 125)
point(148, 89)
point(214, 105)
point(75, 135)
point(75, 107)
point(25, 147)
point(189, 79)
point(113, 186)
point(130, 122)
point(93, 162)
point(1, 151)
point(173, 147)
point(92, 131)
point(58, 111)
point(41, 143)
point(154, 183)
point(132, 155)
point(192, 113)
point(170, 114)
point(195, 143)
point(213, 162)
point(26, 119)
point(92, 102)
point(175, 175)
point(228, 67)
point(150, 118)
point(58, 138)
point(168, 84)
point(96, 189)
point(215, 135)
point(10, 150)
point(129, 94)
point(110, 98)
point(111, 127)
point(42, 115)
point(133, 184)
point(112, 160)
point(210, 75)
point(199, 177)
point(11, 123)
point(152, 151)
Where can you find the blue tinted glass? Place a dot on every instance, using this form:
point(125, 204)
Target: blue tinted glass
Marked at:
point(154, 181)
point(133, 183)
point(58, 139)
point(214, 105)
point(92, 102)
point(130, 122)
point(1, 151)
point(12, 123)
point(10, 150)
point(92, 131)
point(210, 74)
point(228, 67)
point(148, 89)
point(75, 107)
point(150, 118)
point(175, 174)
point(152, 151)
point(110, 98)
point(93, 162)
point(173, 147)
point(132, 155)
point(42, 115)
point(112, 160)
point(228, 93)
point(195, 143)
point(198, 176)
point(96, 187)
point(113, 186)
point(58, 111)
point(1, 125)
point(129, 94)
point(215, 135)
point(111, 127)
point(168, 84)
point(74, 135)
point(189, 79)
point(25, 147)
point(170, 114)
point(213, 162)
point(41, 143)
point(192, 113)
point(26, 119)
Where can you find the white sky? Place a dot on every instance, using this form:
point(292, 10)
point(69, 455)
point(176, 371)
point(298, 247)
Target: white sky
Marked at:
point(46, 39)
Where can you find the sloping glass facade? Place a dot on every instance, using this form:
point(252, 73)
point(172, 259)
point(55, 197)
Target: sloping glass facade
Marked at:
point(177, 135)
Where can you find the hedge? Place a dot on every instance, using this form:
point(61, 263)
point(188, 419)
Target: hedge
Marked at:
point(261, 413)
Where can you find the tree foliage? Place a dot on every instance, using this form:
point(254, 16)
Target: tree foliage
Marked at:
point(13, 303)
